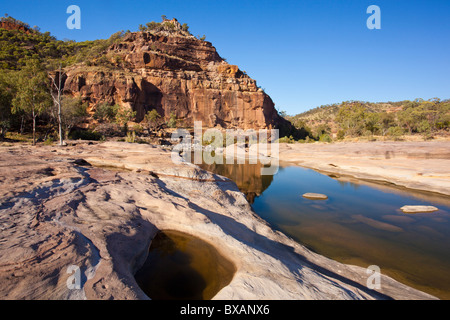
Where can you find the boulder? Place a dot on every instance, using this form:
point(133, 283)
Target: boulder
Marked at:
point(418, 209)
point(315, 196)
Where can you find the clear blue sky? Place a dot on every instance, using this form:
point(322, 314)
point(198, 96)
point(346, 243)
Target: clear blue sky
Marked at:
point(304, 53)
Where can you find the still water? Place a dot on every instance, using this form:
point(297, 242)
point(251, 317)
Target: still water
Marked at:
point(182, 267)
point(360, 223)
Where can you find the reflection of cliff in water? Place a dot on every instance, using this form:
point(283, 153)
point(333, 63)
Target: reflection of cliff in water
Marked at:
point(247, 177)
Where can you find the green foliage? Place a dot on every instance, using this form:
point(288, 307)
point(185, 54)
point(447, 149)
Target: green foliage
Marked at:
point(105, 112)
point(351, 118)
point(356, 118)
point(85, 135)
point(73, 112)
point(49, 141)
point(289, 139)
point(17, 46)
point(395, 132)
point(213, 138)
point(124, 115)
point(7, 92)
point(172, 122)
point(424, 126)
point(386, 121)
point(152, 120)
point(165, 25)
point(33, 95)
point(131, 137)
point(321, 130)
point(340, 134)
point(325, 138)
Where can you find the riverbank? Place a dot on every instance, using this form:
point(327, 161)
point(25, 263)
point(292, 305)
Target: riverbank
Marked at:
point(96, 207)
point(422, 166)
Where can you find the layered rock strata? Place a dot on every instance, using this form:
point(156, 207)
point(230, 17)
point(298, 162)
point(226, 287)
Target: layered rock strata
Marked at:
point(175, 74)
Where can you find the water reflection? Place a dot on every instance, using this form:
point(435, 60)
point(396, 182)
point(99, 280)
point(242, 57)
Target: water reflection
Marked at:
point(360, 223)
point(247, 177)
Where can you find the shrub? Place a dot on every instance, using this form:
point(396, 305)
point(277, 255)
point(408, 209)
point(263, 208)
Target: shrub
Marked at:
point(131, 137)
point(424, 127)
point(172, 123)
point(49, 141)
point(86, 135)
point(325, 138)
point(108, 129)
point(105, 112)
point(289, 139)
point(341, 134)
point(395, 132)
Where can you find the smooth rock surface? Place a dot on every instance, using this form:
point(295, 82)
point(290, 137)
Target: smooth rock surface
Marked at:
point(315, 196)
point(57, 215)
point(418, 209)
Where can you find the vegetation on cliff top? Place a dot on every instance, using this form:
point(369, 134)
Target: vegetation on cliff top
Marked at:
point(27, 55)
point(22, 47)
point(16, 46)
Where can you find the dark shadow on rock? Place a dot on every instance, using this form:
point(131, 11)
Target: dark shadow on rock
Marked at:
point(129, 249)
point(270, 247)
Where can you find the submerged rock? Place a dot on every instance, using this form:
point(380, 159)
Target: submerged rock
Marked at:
point(315, 196)
point(418, 209)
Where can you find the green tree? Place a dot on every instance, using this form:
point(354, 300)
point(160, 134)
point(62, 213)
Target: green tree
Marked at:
point(33, 95)
point(123, 116)
point(409, 118)
point(373, 122)
point(105, 112)
point(386, 121)
point(152, 120)
point(172, 122)
point(73, 112)
point(6, 96)
point(320, 130)
point(351, 118)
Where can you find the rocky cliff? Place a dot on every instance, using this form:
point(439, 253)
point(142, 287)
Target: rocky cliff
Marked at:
point(173, 72)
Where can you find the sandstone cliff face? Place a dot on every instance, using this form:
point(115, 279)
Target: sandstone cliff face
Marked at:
point(178, 74)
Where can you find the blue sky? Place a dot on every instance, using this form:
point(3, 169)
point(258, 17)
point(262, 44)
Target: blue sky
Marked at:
point(304, 53)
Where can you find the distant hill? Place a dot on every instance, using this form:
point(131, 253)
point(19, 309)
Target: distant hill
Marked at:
point(359, 118)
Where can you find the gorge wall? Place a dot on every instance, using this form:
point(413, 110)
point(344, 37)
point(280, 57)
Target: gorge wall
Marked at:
point(174, 73)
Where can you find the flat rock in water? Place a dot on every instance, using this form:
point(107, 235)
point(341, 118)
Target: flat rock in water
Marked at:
point(418, 209)
point(315, 196)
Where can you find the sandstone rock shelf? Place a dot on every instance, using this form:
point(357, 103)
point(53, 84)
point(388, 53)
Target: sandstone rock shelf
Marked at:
point(56, 214)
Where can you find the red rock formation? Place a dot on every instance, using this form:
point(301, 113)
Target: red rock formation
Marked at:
point(174, 73)
point(10, 25)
